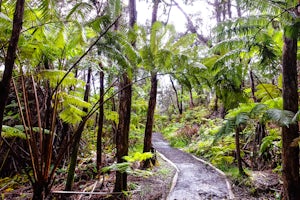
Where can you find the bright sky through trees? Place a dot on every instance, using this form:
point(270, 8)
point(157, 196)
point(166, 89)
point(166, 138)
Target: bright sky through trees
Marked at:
point(200, 9)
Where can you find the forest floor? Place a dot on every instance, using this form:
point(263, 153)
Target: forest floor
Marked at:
point(184, 175)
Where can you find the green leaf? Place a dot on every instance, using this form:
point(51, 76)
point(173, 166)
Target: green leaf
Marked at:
point(291, 31)
point(8, 132)
point(281, 117)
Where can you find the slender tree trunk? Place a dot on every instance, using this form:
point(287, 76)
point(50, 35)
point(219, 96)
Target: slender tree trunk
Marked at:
point(101, 119)
point(290, 153)
point(123, 130)
point(238, 151)
point(218, 10)
point(252, 86)
point(77, 138)
point(176, 96)
point(10, 58)
point(152, 101)
point(150, 119)
point(229, 9)
point(124, 114)
point(192, 105)
point(238, 8)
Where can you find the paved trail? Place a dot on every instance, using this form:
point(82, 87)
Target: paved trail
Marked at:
point(196, 180)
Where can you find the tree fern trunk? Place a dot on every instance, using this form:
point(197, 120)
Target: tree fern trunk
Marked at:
point(123, 130)
point(150, 119)
point(10, 58)
point(176, 96)
point(101, 119)
point(252, 86)
point(238, 151)
point(77, 138)
point(124, 115)
point(290, 154)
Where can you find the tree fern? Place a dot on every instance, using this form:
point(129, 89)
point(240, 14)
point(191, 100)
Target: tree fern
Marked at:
point(71, 114)
point(281, 117)
point(54, 76)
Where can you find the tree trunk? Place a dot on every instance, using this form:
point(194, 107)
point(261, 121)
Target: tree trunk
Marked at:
point(176, 97)
point(152, 101)
point(229, 9)
point(238, 8)
point(123, 130)
point(77, 138)
point(290, 154)
point(252, 86)
point(124, 115)
point(150, 119)
point(101, 119)
point(10, 58)
point(218, 10)
point(238, 151)
point(192, 105)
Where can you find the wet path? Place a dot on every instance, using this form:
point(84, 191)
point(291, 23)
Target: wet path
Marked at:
point(196, 180)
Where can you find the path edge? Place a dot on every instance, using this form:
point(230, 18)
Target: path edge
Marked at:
point(174, 181)
point(229, 188)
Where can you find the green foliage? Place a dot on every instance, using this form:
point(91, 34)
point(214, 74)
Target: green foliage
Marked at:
point(266, 92)
point(129, 166)
point(9, 132)
point(137, 156)
point(71, 108)
point(270, 141)
point(54, 76)
point(281, 117)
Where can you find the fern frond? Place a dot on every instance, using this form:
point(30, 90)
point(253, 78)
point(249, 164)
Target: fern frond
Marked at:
point(230, 56)
point(266, 92)
point(281, 117)
point(72, 115)
point(73, 100)
point(54, 76)
point(80, 8)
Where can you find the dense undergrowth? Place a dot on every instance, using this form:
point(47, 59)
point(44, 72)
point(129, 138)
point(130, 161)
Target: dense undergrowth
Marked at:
point(197, 132)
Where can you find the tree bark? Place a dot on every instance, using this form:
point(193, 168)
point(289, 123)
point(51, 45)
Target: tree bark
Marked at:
point(150, 119)
point(176, 96)
point(124, 114)
point(238, 151)
point(290, 154)
point(229, 9)
point(238, 8)
point(152, 101)
point(77, 138)
point(192, 105)
point(101, 119)
point(123, 130)
point(252, 86)
point(10, 58)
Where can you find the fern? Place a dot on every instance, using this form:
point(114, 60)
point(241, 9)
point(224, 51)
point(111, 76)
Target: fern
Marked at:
point(266, 92)
point(73, 100)
point(54, 76)
point(9, 132)
point(281, 117)
point(72, 114)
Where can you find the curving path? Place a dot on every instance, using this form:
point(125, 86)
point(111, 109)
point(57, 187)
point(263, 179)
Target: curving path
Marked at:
point(196, 180)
